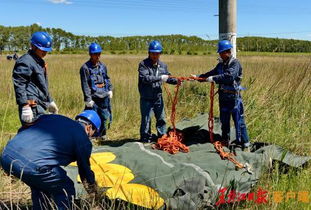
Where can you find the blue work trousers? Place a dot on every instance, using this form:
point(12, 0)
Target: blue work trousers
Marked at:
point(103, 114)
point(146, 108)
point(48, 184)
point(235, 109)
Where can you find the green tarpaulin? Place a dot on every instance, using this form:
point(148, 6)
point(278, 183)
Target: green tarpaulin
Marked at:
point(190, 180)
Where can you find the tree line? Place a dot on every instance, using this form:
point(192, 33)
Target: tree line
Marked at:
point(17, 39)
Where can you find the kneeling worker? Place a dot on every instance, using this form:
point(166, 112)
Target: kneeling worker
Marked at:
point(36, 154)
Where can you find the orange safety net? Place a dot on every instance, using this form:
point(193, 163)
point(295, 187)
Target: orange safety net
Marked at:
point(172, 142)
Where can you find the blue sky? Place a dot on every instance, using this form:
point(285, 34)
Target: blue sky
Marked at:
point(269, 18)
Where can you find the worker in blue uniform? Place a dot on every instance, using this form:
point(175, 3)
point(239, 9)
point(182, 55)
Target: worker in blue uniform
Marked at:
point(31, 82)
point(97, 87)
point(228, 74)
point(37, 153)
point(152, 74)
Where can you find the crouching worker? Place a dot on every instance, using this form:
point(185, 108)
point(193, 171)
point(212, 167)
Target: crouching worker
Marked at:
point(36, 154)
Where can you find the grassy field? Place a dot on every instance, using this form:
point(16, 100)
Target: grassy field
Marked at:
point(277, 106)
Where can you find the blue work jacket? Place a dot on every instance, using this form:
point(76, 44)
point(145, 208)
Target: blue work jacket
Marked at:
point(30, 80)
point(228, 75)
point(55, 140)
point(94, 81)
point(149, 81)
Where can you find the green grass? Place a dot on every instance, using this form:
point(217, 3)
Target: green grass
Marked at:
point(277, 105)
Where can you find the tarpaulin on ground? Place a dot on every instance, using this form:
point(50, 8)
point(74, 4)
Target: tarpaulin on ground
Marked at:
point(136, 173)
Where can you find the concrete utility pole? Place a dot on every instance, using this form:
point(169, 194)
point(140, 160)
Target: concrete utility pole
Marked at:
point(227, 22)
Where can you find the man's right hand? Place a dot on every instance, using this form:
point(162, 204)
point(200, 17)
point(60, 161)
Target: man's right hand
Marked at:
point(110, 94)
point(89, 104)
point(27, 114)
point(92, 190)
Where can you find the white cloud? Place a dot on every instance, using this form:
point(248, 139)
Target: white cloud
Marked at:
point(39, 24)
point(60, 1)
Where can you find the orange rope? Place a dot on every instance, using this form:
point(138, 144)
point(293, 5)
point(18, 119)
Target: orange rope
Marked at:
point(172, 142)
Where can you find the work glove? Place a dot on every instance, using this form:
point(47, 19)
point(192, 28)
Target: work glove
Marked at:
point(92, 190)
point(194, 76)
point(110, 94)
point(52, 108)
point(89, 104)
point(164, 78)
point(209, 79)
point(27, 114)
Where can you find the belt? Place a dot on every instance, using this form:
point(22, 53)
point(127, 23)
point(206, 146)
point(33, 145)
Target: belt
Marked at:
point(229, 91)
point(32, 103)
point(100, 85)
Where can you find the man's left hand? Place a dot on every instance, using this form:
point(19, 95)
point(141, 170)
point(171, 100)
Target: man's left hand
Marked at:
point(53, 108)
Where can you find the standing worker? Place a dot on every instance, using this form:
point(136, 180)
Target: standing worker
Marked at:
point(228, 74)
point(31, 82)
point(96, 87)
point(52, 142)
point(152, 73)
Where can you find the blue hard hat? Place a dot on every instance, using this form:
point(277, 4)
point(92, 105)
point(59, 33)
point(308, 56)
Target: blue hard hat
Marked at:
point(92, 117)
point(224, 45)
point(42, 40)
point(94, 48)
point(155, 47)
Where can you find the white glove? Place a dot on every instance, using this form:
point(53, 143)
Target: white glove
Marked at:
point(209, 79)
point(27, 114)
point(52, 108)
point(89, 104)
point(164, 78)
point(110, 94)
point(193, 75)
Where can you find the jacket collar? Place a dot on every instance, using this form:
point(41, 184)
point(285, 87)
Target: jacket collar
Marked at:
point(92, 65)
point(149, 61)
point(227, 62)
point(39, 60)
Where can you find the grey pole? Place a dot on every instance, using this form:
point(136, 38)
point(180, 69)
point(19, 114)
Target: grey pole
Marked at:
point(227, 22)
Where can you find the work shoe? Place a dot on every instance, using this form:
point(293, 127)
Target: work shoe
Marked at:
point(234, 145)
point(104, 138)
point(145, 140)
point(101, 139)
point(246, 149)
point(154, 138)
